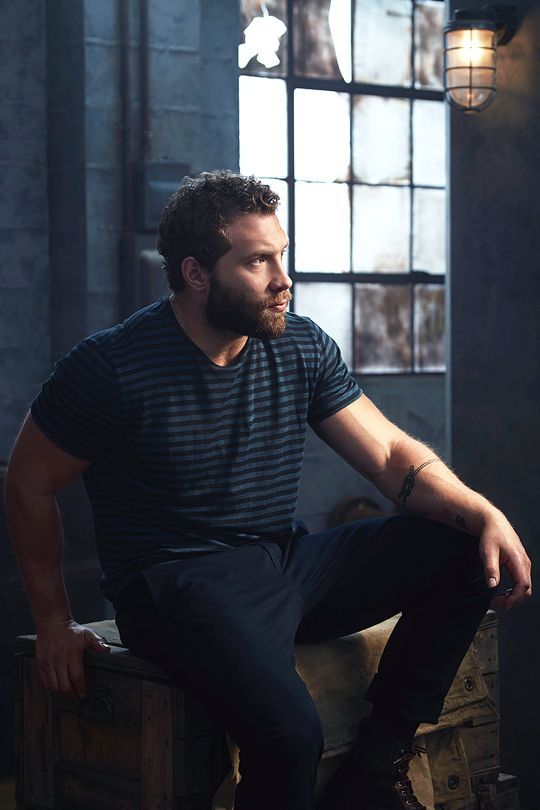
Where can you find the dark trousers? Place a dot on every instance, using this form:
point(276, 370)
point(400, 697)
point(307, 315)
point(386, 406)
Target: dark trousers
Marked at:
point(224, 625)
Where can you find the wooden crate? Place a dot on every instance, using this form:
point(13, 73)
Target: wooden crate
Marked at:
point(135, 742)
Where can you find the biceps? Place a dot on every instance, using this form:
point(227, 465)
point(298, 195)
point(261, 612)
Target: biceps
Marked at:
point(39, 466)
point(362, 435)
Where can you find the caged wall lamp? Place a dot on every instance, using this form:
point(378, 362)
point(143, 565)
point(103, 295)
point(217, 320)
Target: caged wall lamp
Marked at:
point(470, 45)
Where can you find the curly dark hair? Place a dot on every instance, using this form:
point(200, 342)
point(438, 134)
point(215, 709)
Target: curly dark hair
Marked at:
point(195, 219)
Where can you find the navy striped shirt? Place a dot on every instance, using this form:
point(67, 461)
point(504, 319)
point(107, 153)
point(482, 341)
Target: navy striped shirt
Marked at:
point(188, 457)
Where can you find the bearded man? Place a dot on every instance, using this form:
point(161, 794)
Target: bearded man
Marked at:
point(188, 423)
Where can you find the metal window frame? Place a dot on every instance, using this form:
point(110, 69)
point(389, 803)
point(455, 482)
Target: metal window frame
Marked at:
point(413, 277)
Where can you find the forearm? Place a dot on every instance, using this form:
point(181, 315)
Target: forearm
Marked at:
point(35, 531)
point(434, 491)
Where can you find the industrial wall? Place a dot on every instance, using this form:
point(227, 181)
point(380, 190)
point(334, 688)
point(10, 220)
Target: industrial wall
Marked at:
point(494, 374)
point(91, 122)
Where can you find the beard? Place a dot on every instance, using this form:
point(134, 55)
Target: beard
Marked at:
point(231, 311)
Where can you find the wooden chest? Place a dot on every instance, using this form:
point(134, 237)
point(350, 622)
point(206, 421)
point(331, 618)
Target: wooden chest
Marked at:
point(135, 742)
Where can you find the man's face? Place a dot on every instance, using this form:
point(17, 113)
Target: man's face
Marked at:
point(248, 287)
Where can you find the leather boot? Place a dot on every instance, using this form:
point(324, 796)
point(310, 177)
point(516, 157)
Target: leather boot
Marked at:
point(373, 775)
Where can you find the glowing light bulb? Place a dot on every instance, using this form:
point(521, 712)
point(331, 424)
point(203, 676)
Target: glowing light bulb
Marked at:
point(262, 40)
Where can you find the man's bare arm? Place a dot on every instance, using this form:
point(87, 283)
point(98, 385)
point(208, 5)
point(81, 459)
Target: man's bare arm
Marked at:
point(390, 458)
point(38, 469)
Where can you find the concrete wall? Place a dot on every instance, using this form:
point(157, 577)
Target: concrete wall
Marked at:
point(494, 379)
point(70, 137)
point(24, 263)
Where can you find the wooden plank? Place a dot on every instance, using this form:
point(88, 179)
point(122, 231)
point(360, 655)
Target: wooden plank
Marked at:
point(18, 728)
point(201, 802)
point(104, 748)
point(86, 789)
point(111, 697)
point(157, 747)
point(37, 748)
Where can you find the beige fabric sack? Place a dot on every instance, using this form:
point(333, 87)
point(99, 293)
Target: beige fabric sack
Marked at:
point(337, 674)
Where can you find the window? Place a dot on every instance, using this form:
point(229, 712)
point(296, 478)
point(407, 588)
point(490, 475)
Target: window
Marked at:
point(349, 129)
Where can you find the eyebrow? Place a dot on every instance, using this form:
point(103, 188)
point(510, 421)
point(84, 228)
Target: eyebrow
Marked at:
point(263, 252)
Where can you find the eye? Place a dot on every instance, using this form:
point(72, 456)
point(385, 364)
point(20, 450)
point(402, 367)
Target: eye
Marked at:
point(258, 260)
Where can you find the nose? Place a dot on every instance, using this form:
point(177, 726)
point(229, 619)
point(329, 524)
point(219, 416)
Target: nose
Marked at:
point(280, 279)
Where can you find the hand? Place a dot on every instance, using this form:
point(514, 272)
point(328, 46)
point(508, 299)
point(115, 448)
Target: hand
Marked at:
point(60, 650)
point(500, 546)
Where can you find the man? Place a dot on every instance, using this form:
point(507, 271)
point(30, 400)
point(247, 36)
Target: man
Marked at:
point(188, 423)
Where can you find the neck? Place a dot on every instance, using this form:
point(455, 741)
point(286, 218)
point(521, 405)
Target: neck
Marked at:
point(222, 348)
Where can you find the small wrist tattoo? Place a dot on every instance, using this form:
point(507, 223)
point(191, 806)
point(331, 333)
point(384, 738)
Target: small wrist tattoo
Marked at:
point(410, 480)
point(461, 521)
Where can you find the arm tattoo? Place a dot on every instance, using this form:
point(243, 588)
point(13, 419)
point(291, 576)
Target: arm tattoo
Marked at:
point(460, 520)
point(410, 480)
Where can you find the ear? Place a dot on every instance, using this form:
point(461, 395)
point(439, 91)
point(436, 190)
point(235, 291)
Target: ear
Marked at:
point(194, 274)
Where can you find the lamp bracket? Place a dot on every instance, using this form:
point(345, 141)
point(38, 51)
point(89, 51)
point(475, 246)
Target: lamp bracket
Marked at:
point(503, 17)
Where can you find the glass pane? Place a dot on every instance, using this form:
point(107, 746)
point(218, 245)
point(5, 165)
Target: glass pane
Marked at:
point(249, 10)
point(382, 327)
point(329, 305)
point(381, 140)
point(381, 227)
point(322, 38)
point(429, 327)
point(263, 127)
point(429, 51)
point(429, 139)
point(382, 42)
point(321, 135)
point(282, 213)
point(322, 228)
point(429, 230)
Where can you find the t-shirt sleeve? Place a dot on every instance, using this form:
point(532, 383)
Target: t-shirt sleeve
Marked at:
point(335, 387)
point(78, 406)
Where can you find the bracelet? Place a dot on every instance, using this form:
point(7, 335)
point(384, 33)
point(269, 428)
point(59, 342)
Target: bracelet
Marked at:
point(409, 480)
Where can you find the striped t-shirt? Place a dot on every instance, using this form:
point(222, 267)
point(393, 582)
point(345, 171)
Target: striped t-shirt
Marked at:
point(188, 457)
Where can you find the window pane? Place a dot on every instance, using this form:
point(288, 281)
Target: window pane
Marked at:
point(263, 127)
point(322, 135)
point(429, 327)
point(381, 139)
point(382, 328)
point(249, 9)
point(429, 137)
point(322, 38)
point(329, 305)
point(282, 213)
point(429, 242)
point(429, 28)
point(381, 229)
point(322, 241)
point(382, 42)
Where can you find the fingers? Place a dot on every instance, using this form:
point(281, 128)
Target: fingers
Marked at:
point(60, 659)
point(512, 597)
point(520, 571)
point(98, 643)
point(64, 676)
point(491, 569)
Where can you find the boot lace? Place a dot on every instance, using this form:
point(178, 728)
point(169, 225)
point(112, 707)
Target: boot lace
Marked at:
point(403, 785)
